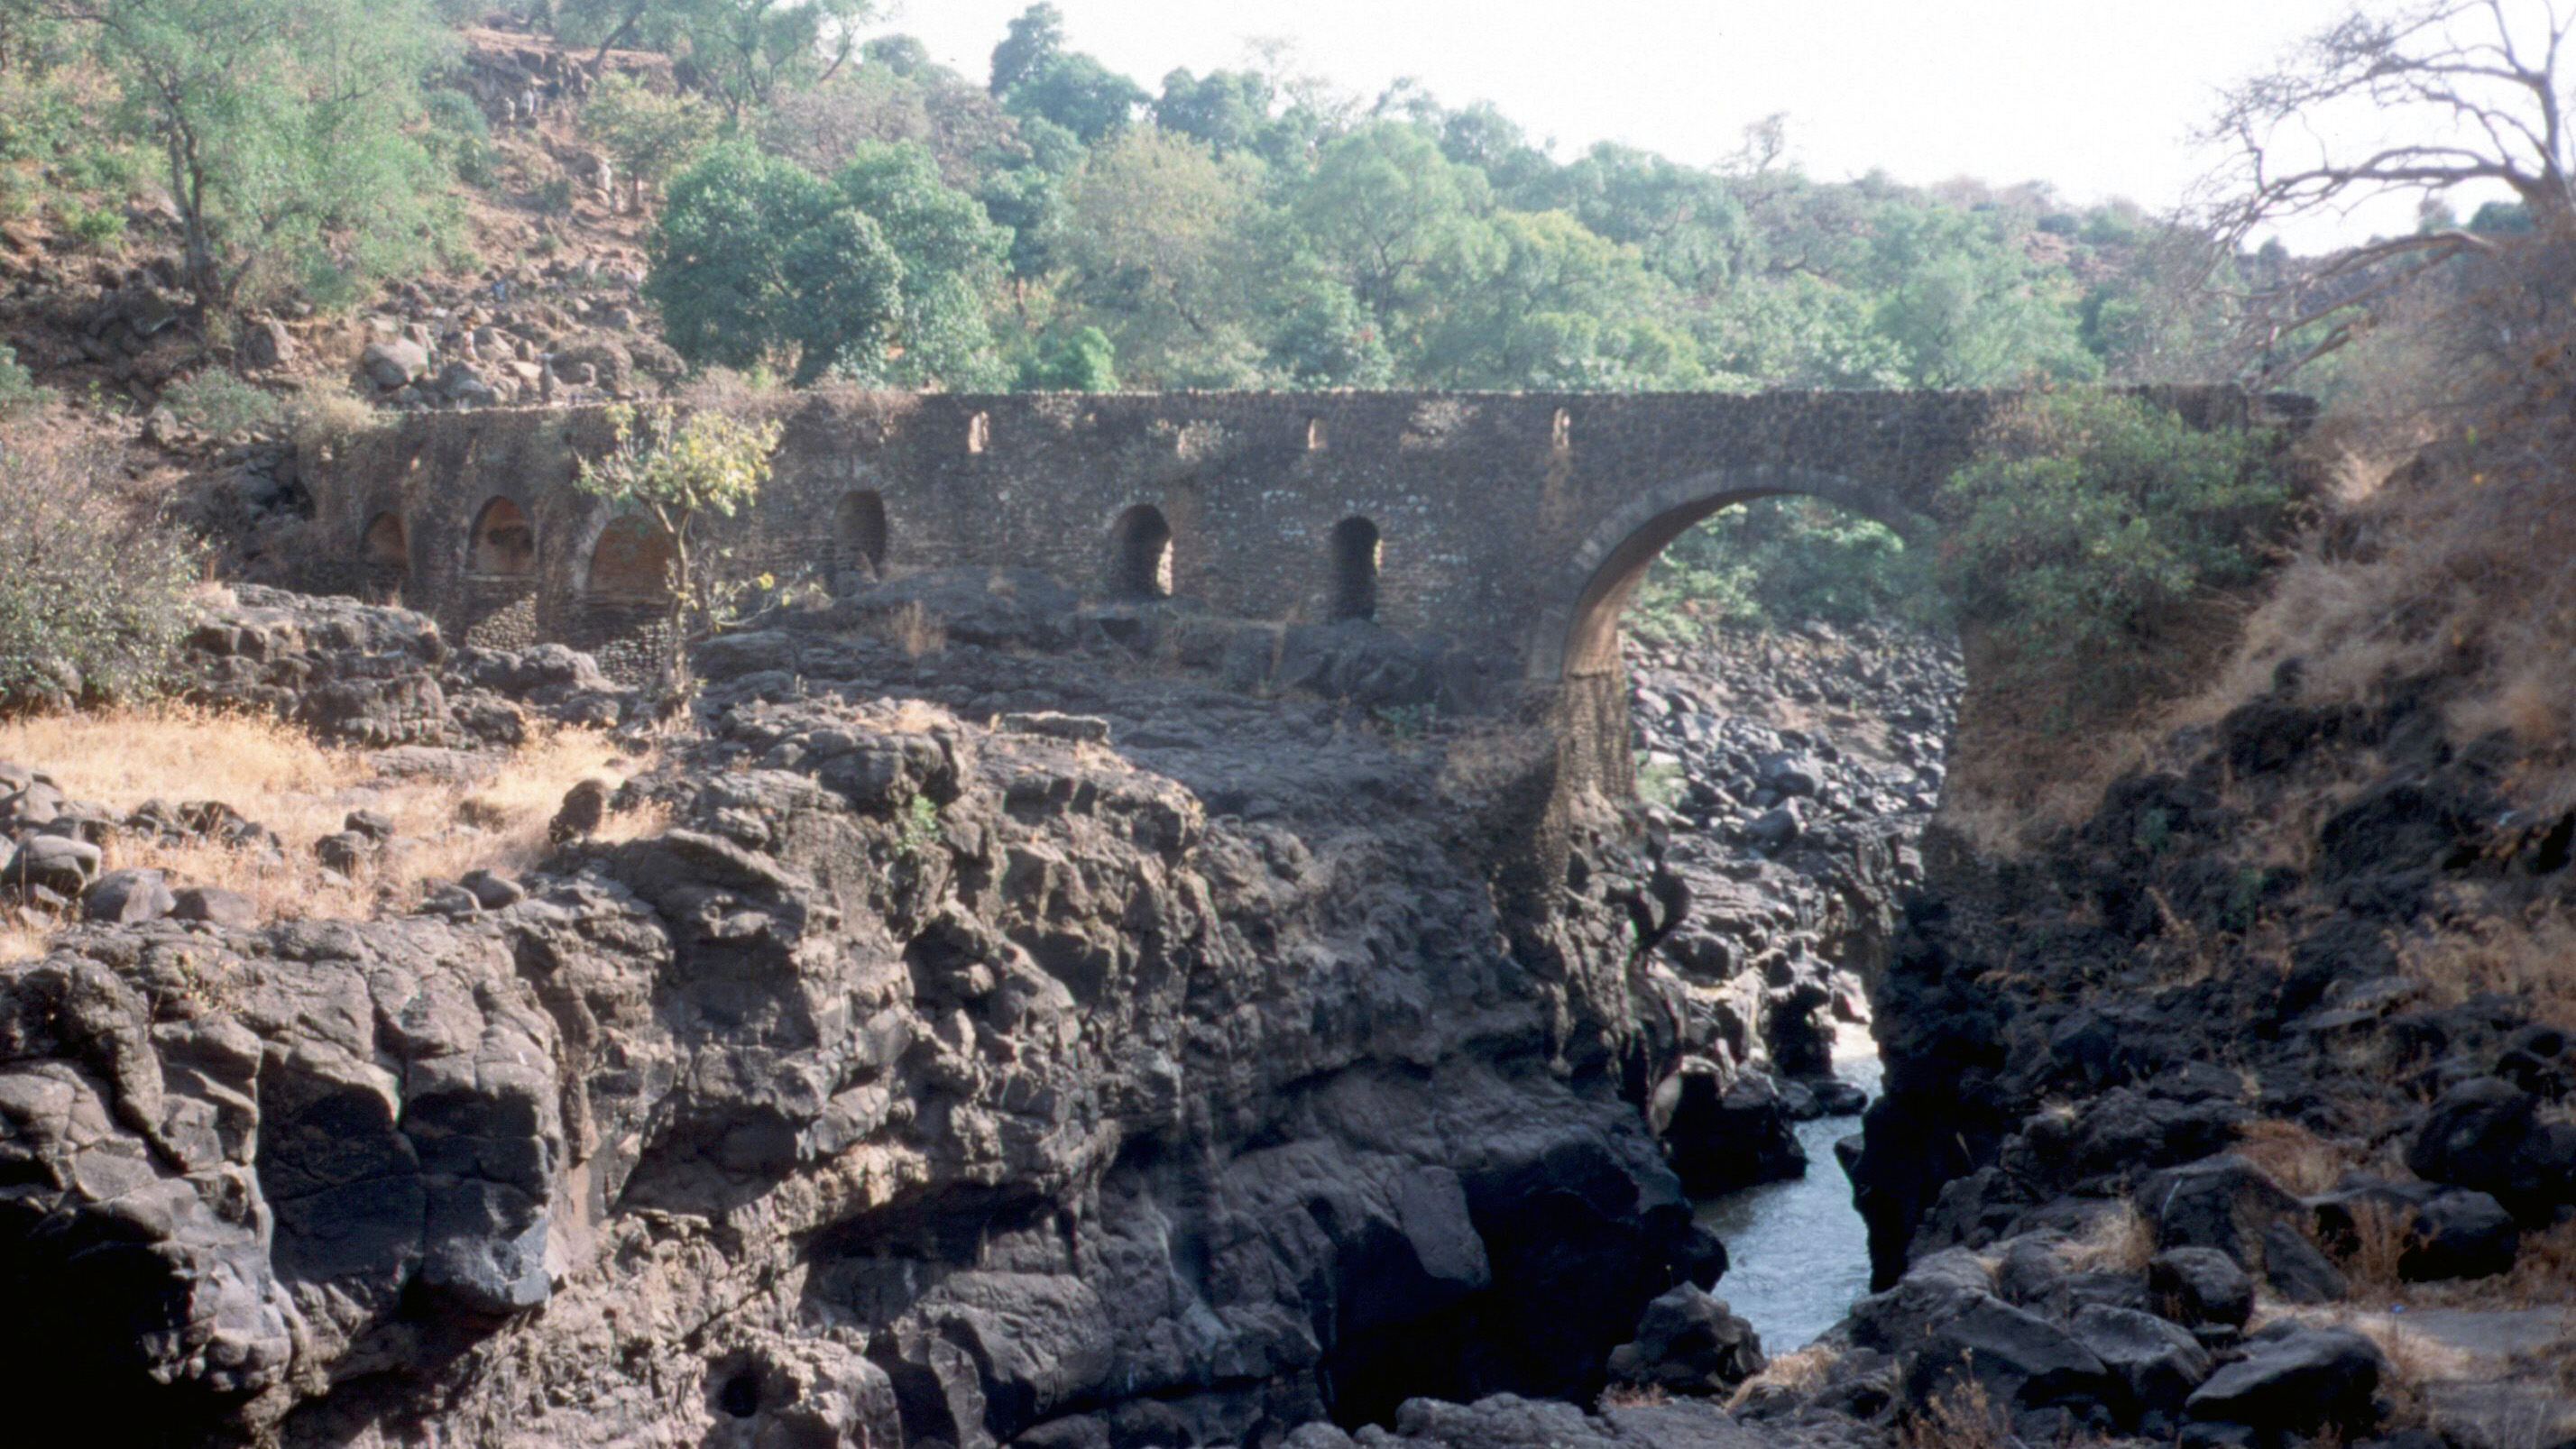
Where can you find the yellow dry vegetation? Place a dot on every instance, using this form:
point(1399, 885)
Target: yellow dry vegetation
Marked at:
point(2293, 1156)
point(493, 816)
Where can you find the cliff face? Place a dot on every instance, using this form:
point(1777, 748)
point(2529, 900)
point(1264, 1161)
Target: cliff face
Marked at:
point(2252, 1049)
point(922, 1082)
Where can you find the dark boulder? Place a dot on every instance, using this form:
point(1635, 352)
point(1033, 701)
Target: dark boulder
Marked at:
point(2159, 1362)
point(2446, 1232)
point(215, 905)
point(2222, 1202)
point(2019, 1358)
point(129, 896)
point(2198, 1286)
point(343, 851)
point(2297, 1380)
point(1721, 1136)
point(2294, 1269)
point(54, 862)
point(2487, 1134)
point(1689, 1342)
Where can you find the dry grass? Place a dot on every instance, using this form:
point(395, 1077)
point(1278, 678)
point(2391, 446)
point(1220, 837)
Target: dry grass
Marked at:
point(1798, 1371)
point(1634, 1396)
point(2532, 957)
point(2118, 1241)
point(910, 629)
point(1960, 1417)
point(2371, 1257)
point(2296, 1158)
point(2543, 1273)
point(274, 775)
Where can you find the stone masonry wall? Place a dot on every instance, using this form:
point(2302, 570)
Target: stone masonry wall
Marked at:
point(1505, 519)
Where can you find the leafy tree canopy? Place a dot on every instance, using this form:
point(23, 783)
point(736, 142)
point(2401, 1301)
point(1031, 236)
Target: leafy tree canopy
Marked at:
point(283, 131)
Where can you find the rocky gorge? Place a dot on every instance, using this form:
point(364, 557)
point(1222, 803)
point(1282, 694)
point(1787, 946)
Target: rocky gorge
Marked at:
point(999, 1031)
point(991, 1048)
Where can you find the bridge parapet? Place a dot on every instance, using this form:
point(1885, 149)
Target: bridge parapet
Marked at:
point(1513, 526)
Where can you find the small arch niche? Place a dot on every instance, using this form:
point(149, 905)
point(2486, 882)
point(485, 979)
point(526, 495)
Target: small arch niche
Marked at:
point(1140, 555)
point(633, 562)
point(1357, 550)
point(1560, 431)
point(979, 432)
point(859, 532)
point(386, 548)
point(505, 542)
point(1314, 435)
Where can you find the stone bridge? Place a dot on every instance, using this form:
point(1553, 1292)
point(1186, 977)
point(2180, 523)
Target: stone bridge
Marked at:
point(1512, 528)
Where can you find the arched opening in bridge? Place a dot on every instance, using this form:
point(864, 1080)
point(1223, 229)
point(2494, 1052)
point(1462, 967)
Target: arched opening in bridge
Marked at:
point(1140, 555)
point(633, 563)
point(859, 532)
point(1757, 649)
point(504, 543)
point(385, 549)
point(1356, 553)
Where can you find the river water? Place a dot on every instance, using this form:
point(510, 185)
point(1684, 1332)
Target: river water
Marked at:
point(1797, 1250)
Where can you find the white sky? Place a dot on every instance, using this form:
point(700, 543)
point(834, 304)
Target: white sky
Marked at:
point(2095, 96)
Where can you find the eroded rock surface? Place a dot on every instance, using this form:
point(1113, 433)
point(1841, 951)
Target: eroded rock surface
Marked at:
point(921, 1083)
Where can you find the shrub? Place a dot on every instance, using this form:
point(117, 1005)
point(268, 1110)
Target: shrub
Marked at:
point(18, 390)
point(91, 598)
point(459, 133)
point(324, 417)
point(215, 401)
point(96, 228)
point(2086, 515)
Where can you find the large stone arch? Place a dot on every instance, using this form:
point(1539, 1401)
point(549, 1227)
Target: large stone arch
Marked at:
point(1576, 634)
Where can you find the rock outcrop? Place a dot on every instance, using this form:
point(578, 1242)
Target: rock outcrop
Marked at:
point(1187, 1082)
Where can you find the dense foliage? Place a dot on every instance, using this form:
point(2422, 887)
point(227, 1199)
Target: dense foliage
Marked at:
point(92, 600)
point(2089, 514)
point(286, 132)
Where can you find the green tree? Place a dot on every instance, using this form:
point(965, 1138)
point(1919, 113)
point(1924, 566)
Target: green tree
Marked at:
point(283, 131)
point(1153, 237)
point(1551, 305)
point(1387, 214)
point(1967, 304)
point(1228, 110)
point(1318, 335)
point(755, 257)
point(681, 473)
point(2086, 514)
point(1034, 38)
point(1078, 361)
point(1685, 222)
point(1796, 330)
point(1080, 94)
point(648, 134)
point(741, 52)
point(951, 255)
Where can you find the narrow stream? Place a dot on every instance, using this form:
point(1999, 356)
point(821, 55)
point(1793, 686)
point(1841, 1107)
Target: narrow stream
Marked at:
point(1798, 1251)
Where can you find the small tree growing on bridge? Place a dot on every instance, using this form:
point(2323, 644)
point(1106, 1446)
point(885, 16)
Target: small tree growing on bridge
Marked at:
point(679, 472)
